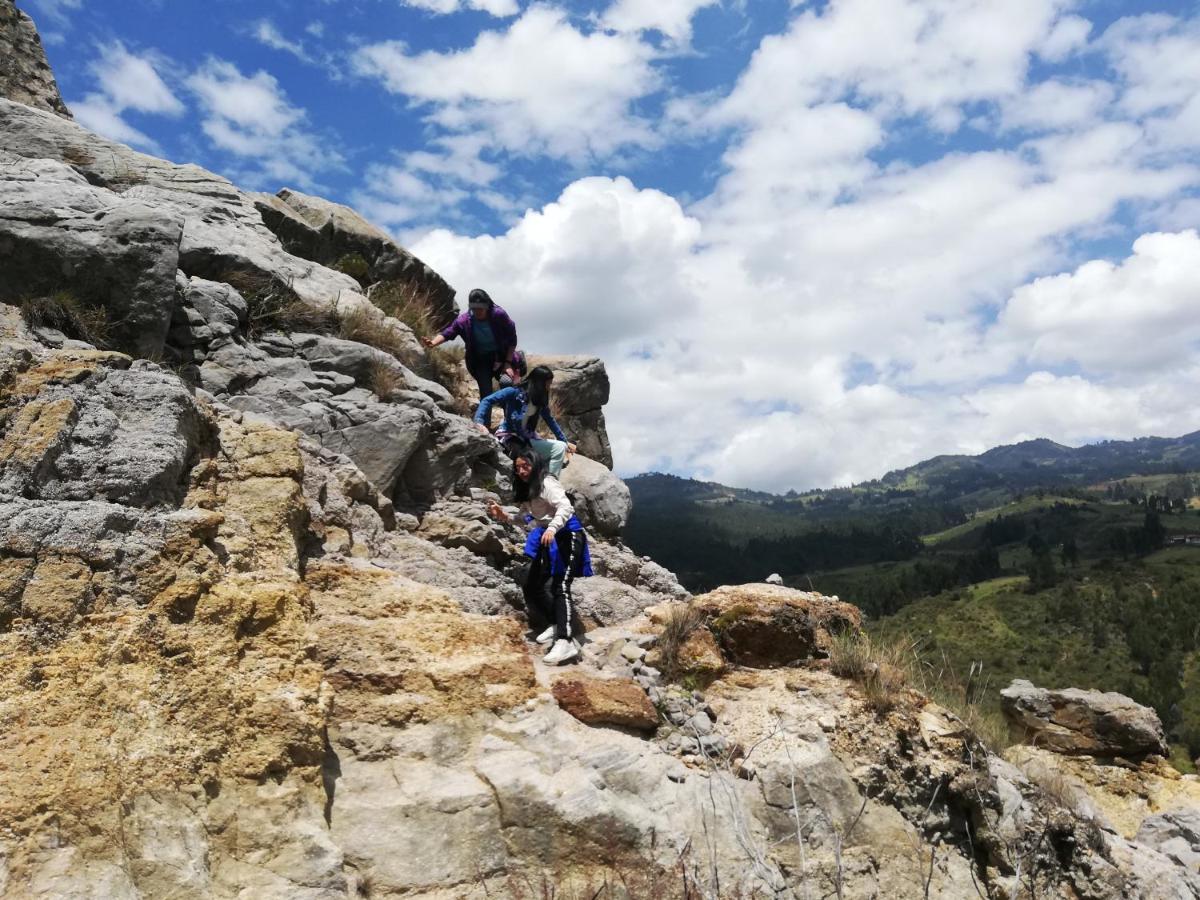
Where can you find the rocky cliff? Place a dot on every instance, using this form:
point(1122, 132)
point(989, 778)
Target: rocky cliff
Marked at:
point(258, 637)
point(25, 75)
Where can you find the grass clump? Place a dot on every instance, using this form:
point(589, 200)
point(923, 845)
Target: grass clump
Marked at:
point(681, 622)
point(68, 313)
point(272, 305)
point(407, 302)
point(356, 266)
point(383, 379)
point(881, 669)
point(359, 325)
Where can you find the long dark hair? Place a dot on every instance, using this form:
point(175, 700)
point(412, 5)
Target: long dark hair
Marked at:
point(524, 491)
point(537, 385)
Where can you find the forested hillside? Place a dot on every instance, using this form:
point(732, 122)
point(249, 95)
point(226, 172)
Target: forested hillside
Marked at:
point(1065, 566)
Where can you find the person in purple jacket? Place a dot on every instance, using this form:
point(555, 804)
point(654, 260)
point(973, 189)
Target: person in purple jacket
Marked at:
point(490, 336)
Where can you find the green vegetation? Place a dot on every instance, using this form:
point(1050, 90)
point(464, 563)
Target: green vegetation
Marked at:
point(356, 266)
point(407, 302)
point(272, 305)
point(1067, 567)
point(73, 316)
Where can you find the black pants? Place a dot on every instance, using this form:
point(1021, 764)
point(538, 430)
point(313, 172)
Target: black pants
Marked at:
point(483, 370)
point(548, 596)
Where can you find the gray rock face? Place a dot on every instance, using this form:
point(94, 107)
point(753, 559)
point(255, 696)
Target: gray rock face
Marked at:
point(1076, 721)
point(223, 232)
point(1174, 834)
point(328, 232)
point(580, 391)
point(58, 234)
point(107, 433)
point(602, 499)
point(25, 75)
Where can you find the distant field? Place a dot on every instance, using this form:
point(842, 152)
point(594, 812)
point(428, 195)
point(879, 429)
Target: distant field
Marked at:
point(1027, 504)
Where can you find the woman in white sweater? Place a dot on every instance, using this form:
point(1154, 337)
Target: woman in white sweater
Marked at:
point(558, 547)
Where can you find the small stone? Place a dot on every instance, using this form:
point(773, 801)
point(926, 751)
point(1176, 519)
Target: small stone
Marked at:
point(827, 722)
point(652, 673)
point(633, 652)
point(676, 716)
point(679, 775)
point(645, 641)
point(700, 724)
point(713, 744)
point(745, 770)
point(654, 694)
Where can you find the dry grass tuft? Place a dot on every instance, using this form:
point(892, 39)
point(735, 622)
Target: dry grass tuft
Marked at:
point(682, 620)
point(74, 317)
point(359, 325)
point(272, 305)
point(408, 302)
point(881, 669)
point(384, 380)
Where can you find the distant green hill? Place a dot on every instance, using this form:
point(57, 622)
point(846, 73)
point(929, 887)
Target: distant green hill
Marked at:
point(1069, 566)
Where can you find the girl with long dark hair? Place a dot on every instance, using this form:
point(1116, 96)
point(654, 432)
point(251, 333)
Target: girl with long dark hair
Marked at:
point(558, 548)
point(525, 405)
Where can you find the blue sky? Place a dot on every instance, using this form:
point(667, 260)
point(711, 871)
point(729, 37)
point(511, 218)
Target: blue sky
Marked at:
point(813, 241)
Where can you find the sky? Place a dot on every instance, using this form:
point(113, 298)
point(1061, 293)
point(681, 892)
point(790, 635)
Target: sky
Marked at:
point(812, 241)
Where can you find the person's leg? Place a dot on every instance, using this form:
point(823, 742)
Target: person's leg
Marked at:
point(554, 452)
point(569, 547)
point(539, 609)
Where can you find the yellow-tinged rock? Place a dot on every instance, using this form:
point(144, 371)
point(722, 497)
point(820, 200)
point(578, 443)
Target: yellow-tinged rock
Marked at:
point(38, 426)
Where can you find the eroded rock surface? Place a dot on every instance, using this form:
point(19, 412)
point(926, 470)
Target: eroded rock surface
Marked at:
point(25, 75)
point(1076, 721)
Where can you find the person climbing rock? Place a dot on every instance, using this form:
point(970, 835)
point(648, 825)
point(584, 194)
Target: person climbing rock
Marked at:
point(558, 548)
point(490, 337)
point(524, 405)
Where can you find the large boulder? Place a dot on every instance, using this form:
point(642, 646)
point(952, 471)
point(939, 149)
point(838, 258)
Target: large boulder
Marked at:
point(87, 248)
point(580, 391)
point(1074, 721)
point(336, 235)
point(602, 500)
point(25, 75)
point(765, 626)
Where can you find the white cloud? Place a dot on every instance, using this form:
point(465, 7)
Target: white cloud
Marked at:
point(541, 87)
point(97, 113)
point(673, 18)
point(1137, 315)
point(251, 118)
point(833, 309)
point(265, 32)
point(497, 8)
point(126, 81)
point(57, 10)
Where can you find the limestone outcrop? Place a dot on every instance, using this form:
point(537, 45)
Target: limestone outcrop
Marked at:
point(335, 235)
point(580, 391)
point(1076, 721)
point(25, 75)
point(259, 638)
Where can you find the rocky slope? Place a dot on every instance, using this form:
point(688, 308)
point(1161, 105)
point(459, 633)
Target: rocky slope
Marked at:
point(259, 639)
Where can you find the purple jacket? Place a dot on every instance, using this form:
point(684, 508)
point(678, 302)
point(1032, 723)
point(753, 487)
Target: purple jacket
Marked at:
point(502, 327)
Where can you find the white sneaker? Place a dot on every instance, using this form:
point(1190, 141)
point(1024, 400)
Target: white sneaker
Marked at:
point(546, 636)
point(561, 652)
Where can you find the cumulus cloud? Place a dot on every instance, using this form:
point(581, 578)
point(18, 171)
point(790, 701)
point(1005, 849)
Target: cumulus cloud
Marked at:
point(250, 117)
point(672, 18)
point(126, 82)
point(1139, 314)
point(266, 33)
point(540, 87)
point(834, 308)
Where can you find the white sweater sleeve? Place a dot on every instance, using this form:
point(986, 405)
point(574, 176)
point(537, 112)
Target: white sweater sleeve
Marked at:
point(553, 492)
